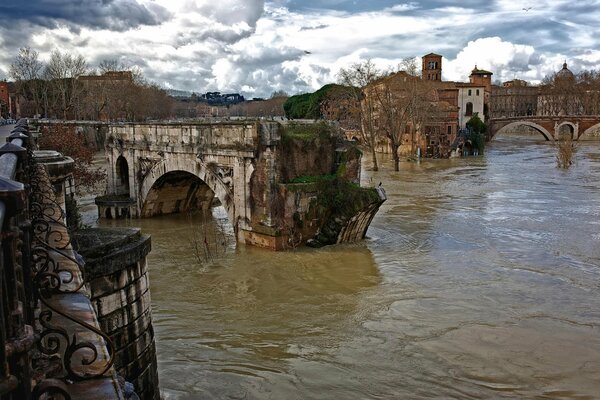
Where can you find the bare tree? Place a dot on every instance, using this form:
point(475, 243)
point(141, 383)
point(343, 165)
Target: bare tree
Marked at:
point(358, 76)
point(109, 65)
point(403, 106)
point(410, 65)
point(26, 70)
point(589, 83)
point(62, 72)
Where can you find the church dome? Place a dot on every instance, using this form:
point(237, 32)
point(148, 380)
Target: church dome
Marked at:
point(565, 73)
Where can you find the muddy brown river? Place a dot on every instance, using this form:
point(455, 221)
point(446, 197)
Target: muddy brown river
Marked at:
point(480, 279)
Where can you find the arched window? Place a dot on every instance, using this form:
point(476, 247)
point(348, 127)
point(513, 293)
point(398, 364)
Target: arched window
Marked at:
point(122, 178)
point(469, 109)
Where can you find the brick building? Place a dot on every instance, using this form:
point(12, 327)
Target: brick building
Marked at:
point(102, 91)
point(513, 99)
point(5, 101)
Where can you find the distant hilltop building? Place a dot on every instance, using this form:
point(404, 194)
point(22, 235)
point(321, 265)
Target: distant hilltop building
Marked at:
point(210, 98)
point(218, 99)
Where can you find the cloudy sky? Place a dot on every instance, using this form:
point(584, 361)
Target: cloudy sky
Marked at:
point(257, 47)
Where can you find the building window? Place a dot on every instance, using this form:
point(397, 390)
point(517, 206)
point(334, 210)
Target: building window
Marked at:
point(477, 92)
point(449, 129)
point(470, 93)
point(469, 110)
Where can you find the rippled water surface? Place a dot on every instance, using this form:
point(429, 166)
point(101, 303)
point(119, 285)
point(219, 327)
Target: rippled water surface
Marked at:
point(480, 279)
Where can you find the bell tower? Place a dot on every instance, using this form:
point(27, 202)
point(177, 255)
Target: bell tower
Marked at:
point(432, 67)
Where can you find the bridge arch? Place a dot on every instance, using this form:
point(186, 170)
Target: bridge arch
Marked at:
point(566, 129)
point(543, 131)
point(183, 185)
point(589, 132)
point(122, 176)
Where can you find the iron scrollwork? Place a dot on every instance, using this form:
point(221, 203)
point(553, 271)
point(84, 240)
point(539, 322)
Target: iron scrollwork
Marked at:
point(57, 271)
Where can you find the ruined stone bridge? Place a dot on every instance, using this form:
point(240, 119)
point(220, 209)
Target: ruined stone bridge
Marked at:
point(164, 168)
point(577, 127)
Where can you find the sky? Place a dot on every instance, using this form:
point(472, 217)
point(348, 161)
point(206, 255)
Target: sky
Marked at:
point(257, 47)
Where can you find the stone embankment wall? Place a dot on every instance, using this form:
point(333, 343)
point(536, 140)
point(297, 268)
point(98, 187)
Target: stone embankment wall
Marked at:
point(117, 273)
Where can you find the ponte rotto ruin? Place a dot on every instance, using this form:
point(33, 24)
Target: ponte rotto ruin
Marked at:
point(165, 168)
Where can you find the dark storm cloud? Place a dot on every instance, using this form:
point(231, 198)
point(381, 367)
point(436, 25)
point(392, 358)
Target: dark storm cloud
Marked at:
point(549, 34)
point(116, 15)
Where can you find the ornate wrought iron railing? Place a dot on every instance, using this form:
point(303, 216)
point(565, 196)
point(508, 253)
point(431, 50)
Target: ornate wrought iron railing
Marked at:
point(45, 347)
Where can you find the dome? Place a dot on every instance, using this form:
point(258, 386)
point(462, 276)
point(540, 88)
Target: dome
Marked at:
point(565, 73)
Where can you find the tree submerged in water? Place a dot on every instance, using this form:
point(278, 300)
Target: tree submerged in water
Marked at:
point(477, 129)
point(209, 240)
point(565, 152)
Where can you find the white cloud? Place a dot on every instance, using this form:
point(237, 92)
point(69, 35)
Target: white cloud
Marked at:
point(403, 7)
point(257, 46)
point(509, 61)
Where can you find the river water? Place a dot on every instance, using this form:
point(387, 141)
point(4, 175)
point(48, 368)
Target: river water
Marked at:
point(480, 279)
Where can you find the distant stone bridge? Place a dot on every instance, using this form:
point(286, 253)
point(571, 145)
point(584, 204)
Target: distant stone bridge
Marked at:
point(578, 127)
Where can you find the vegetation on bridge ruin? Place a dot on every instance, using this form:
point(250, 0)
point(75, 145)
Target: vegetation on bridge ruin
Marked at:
point(321, 173)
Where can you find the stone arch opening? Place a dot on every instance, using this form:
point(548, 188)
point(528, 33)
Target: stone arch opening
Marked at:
point(177, 192)
point(566, 130)
point(204, 173)
point(592, 133)
point(514, 126)
point(122, 176)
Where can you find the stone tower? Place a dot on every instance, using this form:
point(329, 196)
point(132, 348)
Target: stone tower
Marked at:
point(481, 77)
point(432, 67)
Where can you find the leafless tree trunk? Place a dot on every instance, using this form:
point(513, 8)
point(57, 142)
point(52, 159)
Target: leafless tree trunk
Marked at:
point(359, 76)
point(403, 105)
point(62, 71)
point(26, 70)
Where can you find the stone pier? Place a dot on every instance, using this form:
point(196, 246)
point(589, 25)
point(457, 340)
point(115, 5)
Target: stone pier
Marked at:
point(116, 270)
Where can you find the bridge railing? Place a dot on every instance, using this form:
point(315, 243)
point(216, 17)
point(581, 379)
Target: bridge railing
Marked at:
point(47, 343)
point(17, 337)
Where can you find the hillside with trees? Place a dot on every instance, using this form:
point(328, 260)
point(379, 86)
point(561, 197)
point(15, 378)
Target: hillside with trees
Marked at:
point(309, 105)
